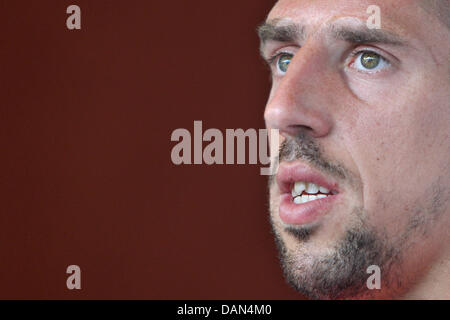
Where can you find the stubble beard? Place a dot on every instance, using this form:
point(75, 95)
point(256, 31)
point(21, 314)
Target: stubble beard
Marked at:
point(340, 272)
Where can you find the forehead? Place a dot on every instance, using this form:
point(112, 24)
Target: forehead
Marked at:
point(400, 16)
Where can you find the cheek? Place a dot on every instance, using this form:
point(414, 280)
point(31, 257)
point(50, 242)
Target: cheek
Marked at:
point(383, 148)
point(380, 161)
point(398, 149)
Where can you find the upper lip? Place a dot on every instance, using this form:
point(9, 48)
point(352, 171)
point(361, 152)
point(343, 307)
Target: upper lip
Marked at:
point(290, 172)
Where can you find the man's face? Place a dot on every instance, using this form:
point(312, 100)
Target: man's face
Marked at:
point(364, 114)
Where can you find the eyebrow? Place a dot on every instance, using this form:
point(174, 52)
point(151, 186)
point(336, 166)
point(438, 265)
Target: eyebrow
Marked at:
point(270, 31)
point(365, 35)
point(283, 33)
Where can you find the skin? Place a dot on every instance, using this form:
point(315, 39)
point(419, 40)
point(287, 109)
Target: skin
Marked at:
point(389, 132)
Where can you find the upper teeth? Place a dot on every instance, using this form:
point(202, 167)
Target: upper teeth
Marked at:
point(299, 187)
point(311, 188)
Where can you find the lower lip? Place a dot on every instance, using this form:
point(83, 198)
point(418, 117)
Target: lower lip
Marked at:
point(304, 213)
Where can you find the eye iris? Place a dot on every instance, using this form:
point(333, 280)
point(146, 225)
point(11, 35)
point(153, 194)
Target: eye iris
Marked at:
point(370, 60)
point(283, 62)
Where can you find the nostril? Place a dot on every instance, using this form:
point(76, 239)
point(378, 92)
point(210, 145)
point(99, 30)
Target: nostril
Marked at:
point(305, 128)
point(300, 130)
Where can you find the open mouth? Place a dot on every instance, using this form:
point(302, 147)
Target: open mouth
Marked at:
point(305, 193)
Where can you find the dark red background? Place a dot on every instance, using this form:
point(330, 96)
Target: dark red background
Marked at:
point(86, 174)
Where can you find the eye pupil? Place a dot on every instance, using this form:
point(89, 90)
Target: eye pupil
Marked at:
point(283, 62)
point(370, 60)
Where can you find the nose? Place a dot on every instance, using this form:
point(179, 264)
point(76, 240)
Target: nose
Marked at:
point(299, 101)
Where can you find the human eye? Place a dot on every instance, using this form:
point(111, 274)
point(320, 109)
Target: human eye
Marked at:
point(368, 61)
point(280, 62)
